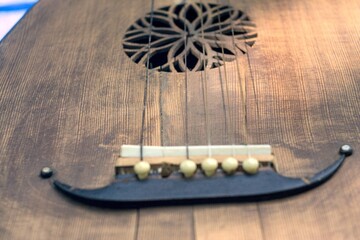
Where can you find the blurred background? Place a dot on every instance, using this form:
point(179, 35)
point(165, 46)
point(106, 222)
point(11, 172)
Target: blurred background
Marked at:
point(11, 11)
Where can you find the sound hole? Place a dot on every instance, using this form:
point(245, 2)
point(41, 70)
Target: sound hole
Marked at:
point(189, 37)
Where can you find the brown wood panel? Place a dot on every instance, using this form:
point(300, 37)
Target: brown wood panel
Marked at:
point(321, 48)
point(70, 97)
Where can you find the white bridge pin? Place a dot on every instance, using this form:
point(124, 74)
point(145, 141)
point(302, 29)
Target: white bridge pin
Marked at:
point(230, 165)
point(251, 165)
point(188, 168)
point(142, 170)
point(209, 166)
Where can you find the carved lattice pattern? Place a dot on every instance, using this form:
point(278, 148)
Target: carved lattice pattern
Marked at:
point(211, 32)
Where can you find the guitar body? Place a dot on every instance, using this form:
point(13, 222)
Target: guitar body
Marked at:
point(70, 97)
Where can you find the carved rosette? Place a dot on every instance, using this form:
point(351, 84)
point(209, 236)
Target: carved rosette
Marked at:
point(190, 36)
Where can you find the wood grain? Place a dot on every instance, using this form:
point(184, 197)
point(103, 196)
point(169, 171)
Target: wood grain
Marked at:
point(70, 97)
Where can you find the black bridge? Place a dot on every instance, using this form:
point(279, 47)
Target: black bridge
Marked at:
point(128, 192)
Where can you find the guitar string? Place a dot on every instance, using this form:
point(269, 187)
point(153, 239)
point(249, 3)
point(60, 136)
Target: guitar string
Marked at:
point(145, 106)
point(228, 112)
point(244, 98)
point(186, 90)
point(223, 98)
point(205, 87)
point(245, 103)
point(161, 104)
point(145, 100)
point(243, 84)
point(186, 120)
point(251, 78)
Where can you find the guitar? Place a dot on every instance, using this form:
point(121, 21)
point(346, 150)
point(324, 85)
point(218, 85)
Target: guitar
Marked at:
point(81, 86)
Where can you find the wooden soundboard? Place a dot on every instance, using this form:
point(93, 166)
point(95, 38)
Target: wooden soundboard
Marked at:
point(70, 97)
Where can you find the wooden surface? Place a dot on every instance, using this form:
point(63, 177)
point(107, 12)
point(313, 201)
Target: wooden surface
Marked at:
point(70, 97)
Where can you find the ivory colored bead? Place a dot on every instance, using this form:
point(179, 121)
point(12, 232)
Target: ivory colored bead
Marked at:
point(230, 165)
point(251, 165)
point(209, 166)
point(188, 168)
point(142, 170)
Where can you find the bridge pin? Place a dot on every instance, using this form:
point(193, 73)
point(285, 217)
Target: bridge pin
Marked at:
point(209, 166)
point(142, 170)
point(230, 165)
point(188, 168)
point(251, 165)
